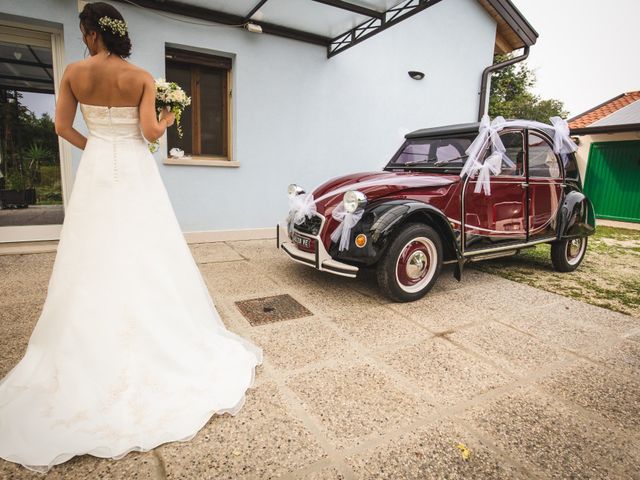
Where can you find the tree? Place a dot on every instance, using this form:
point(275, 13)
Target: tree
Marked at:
point(511, 96)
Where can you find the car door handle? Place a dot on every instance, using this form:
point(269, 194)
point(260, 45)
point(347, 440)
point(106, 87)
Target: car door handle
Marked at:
point(524, 184)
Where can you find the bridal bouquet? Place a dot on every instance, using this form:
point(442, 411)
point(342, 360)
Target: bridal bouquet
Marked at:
point(171, 96)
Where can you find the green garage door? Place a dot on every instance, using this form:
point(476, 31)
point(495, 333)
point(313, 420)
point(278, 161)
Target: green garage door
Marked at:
point(613, 180)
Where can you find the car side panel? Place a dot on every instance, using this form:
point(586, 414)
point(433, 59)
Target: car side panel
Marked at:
point(545, 197)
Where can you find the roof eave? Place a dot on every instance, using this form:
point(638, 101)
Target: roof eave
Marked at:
point(513, 29)
point(628, 127)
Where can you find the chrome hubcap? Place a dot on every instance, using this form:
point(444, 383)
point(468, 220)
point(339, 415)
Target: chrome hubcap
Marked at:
point(416, 265)
point(575, 250)
point(574, 247)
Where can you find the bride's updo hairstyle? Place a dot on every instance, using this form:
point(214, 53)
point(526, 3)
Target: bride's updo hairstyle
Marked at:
point(108, 22)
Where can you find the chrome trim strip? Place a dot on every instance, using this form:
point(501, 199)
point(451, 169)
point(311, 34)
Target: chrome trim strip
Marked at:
point(508, 247)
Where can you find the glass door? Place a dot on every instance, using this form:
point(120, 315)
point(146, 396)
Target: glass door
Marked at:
point(31, 181)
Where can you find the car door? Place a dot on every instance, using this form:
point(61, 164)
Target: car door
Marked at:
point(499, 218)
point(545, 186)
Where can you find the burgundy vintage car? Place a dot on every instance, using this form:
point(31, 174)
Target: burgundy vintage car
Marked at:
point(407, 221)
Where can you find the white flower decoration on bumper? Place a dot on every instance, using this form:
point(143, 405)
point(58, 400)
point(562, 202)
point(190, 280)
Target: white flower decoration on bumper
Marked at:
point(489, 131)
point(347, 222)
point(301, 206)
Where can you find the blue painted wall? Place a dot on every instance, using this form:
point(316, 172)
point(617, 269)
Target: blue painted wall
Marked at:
point(298, 116)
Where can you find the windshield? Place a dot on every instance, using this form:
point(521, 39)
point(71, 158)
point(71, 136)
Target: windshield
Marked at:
point(439, 153)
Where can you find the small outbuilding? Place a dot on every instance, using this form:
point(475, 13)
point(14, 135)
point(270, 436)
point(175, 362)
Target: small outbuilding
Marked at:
point(609, 156)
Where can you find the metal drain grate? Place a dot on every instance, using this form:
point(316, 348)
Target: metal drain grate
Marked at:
point(271, 309)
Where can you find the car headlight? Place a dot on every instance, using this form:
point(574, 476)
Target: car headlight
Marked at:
point(294, 190)
point(353, 199)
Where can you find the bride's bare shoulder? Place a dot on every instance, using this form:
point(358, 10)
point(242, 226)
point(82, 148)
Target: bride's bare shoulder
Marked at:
point(135, 73)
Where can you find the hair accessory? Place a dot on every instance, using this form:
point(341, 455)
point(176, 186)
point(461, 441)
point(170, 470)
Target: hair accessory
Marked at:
point(117, 27)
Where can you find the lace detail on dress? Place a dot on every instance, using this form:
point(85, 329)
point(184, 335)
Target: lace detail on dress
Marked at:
point(102, 112)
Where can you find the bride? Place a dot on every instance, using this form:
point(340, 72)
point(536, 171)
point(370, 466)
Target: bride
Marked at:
point(129, 351)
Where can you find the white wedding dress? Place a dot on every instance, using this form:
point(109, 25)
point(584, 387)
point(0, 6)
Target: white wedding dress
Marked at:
point(129, 351)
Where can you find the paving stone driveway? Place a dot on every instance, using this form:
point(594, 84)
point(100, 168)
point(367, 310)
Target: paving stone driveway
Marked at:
point(532, 384)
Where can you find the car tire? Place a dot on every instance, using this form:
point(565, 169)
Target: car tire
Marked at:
point(567, 254)
point(411, 264)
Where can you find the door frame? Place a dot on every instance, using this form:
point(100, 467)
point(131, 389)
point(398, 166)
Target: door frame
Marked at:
point(525, 183)
point(15, 31)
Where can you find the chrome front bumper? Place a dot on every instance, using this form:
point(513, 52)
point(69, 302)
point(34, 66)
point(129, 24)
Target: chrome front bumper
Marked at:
point(318, 259)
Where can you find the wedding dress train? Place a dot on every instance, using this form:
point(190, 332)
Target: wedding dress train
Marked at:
point(129, 351)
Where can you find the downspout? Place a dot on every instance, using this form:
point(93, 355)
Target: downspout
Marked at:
point(485, 79)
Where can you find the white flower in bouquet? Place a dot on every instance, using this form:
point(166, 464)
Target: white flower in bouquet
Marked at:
point(171, 95)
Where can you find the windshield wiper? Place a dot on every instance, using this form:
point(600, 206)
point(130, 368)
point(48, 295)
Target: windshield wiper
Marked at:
point(416, 162)
point(444, 162)
point(437, 162)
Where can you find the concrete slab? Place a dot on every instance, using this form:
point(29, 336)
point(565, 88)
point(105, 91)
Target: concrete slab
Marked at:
point(532, 383)
point(294, 344)
point(446, 372)
point(379, 327)
point(136, 465)
point(504, 346)
point(559, 325)
point(434, 451)
point(598, 390)
point(213, 252)
point(262, 441)
point(622, 357)
point(352, 402)
point(25, 276)
point(554, 439)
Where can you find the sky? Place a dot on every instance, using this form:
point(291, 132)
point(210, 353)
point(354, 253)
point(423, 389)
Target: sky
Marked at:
point(587, 51)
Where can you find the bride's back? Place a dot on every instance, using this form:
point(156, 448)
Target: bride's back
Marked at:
point(108, 81)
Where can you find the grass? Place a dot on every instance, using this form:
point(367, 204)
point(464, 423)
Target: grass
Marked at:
point(608, 276)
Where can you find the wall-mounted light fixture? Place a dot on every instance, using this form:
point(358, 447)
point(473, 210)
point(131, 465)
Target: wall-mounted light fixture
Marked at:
point(416, 75)
point(253, 28)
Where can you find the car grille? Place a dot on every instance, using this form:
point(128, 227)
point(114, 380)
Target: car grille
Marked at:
point(311, 225)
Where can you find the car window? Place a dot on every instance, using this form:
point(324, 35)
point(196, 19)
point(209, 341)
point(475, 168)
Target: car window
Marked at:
point(542, 160)
point(433, 152)
point(513, 158)
point(570, 166)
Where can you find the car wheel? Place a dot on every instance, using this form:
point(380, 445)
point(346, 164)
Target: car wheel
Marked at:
point(411, 264)
point(567, 254)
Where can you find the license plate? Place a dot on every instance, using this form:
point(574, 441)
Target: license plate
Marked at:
point(304, 242)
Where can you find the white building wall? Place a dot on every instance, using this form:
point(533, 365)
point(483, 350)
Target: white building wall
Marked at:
point(298, 116)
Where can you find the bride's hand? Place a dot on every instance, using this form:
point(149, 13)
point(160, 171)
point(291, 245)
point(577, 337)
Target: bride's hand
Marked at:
point(168, 116)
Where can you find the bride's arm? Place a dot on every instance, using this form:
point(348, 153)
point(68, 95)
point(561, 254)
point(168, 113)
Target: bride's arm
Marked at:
point(152, 129)
point(66, 106)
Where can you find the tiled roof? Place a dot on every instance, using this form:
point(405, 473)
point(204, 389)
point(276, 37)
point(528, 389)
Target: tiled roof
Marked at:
point(607, 108)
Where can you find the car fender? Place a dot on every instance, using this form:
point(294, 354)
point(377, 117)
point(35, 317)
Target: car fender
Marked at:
point(383, 219)
point(576, 217)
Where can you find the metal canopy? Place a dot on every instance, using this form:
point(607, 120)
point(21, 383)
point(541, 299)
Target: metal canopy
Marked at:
point(26, 68)
point(335, 24)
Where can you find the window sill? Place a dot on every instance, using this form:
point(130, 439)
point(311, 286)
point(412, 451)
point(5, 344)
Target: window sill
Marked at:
point(201, 161)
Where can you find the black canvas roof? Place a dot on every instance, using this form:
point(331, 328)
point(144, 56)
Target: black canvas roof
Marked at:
point(457, 129)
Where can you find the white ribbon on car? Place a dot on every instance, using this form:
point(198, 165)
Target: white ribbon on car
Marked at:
point(301, 206)
point(347, 222)
point(492, 166)
point(489, 132)
point(562, 142)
